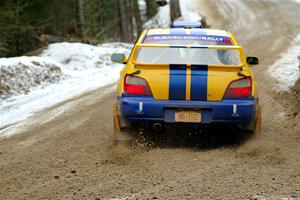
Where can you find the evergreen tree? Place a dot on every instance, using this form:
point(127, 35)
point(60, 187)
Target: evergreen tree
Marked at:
point(22, 22)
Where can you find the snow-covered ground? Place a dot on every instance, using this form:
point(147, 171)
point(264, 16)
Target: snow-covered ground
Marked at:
point(64, 71)
point(20, 75)
point(71, 68)
point(287, 69)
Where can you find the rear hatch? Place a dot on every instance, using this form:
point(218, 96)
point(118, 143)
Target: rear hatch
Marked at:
point(204, 75)
point(190, 83)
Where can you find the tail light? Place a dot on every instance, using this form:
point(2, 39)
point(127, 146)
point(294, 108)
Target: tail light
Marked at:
point(239, 88)
point(136, 86)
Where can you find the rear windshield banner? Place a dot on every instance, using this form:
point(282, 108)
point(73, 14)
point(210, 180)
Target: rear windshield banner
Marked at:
point(212, 38)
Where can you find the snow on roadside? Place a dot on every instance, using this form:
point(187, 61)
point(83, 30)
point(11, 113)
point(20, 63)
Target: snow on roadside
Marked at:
point(21, 74)
point(286, 70)
point(83, 68)
point(79, 56)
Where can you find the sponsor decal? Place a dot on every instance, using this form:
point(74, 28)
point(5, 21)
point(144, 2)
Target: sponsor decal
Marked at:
point(212, 38)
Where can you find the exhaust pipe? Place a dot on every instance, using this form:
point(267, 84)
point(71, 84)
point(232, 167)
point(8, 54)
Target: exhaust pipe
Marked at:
point(157, 127)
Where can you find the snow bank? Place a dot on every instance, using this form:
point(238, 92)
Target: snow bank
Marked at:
point(19, 75)
point(286, 70)
point(65, 70)
point(78, 56)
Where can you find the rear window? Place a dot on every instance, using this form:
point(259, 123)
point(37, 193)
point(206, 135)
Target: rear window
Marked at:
point(199, 56)
point(187, 40)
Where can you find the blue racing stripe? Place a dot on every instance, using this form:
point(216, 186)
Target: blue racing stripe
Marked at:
point(177, 82)
point(199, 82)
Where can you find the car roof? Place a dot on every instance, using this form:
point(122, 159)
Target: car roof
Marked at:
point(188, 31)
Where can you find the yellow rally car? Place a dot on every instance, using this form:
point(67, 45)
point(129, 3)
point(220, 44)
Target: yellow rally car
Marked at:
point(186, 74)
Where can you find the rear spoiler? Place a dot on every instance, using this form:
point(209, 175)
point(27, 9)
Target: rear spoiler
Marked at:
point(224, 47)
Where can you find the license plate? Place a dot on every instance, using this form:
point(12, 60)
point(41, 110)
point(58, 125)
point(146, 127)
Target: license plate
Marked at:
point(187, 116)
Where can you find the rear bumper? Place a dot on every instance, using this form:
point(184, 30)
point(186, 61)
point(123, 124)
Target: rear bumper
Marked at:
point(147, 109)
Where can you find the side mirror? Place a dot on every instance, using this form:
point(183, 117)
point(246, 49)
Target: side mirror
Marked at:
point(118, 58)
point(251, 60)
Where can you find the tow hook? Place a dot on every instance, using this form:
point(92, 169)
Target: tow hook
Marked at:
point(140, 111)
point(234, 111)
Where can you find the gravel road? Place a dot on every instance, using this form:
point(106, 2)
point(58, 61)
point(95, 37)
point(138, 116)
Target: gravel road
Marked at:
point(72, 156)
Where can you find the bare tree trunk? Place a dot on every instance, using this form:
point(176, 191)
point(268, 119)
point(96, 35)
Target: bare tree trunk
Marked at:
point(130, 19)
point(151, 8)
point(80, 17)
point(123, 22)
point(137, 16)
point(174, 10)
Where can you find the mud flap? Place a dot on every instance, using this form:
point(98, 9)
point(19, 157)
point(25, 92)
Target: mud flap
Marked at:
point(258, 121)
point(120, 126)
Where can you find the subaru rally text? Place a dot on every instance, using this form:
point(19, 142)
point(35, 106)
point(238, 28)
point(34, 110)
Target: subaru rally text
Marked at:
point(186, 74)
